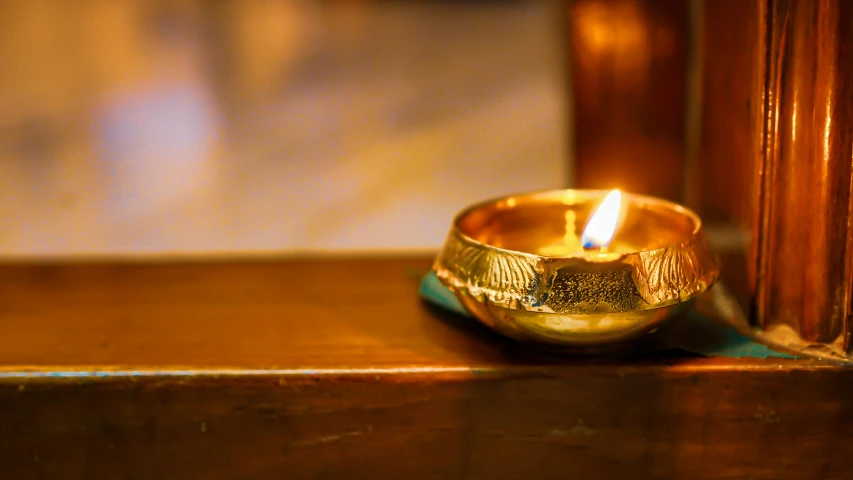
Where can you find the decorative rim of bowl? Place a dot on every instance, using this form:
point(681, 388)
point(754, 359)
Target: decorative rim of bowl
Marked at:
point(519, 280)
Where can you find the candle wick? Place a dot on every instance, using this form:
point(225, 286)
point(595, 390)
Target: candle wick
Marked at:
point(592, 248)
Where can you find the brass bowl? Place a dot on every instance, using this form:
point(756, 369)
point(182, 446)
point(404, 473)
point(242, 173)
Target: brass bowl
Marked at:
point(502, 259)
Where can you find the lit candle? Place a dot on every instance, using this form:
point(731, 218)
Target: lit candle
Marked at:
point(597, 235)
point(601, 226)
point(512, 265)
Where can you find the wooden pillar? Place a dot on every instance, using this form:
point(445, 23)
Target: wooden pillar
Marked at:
point(730, 154)
point(775, 144)
point(805, 226)
point(628, 61)
point(777, 149)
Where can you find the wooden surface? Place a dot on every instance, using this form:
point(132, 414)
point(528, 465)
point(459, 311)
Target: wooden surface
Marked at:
point(628, 64)
point(302, 314)
point(323, 368)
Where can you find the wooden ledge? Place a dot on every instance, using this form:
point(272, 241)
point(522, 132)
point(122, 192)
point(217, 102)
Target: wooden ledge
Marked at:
point(327, 368)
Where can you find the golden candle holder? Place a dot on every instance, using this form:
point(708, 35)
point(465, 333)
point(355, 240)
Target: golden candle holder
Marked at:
point(518, 265)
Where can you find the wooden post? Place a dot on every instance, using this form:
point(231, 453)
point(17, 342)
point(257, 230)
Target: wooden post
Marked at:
point(629, 78)
point(777, 142)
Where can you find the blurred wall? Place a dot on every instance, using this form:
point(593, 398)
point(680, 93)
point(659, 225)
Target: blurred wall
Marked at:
point(179, 127)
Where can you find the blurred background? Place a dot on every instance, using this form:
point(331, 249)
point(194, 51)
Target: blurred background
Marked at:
point(196, 127)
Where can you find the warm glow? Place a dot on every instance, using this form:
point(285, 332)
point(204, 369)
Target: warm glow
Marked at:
point(602, 225)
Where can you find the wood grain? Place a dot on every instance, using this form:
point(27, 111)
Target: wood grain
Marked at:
point(333, 368)
point(628, 61)
point(552, 423)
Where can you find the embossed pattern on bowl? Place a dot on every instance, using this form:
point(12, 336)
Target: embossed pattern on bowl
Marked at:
point(492, 261)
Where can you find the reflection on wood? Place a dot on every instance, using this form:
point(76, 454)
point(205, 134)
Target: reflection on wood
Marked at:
point(629, 77)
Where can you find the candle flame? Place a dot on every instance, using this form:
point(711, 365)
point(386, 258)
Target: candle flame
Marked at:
point(602, 224)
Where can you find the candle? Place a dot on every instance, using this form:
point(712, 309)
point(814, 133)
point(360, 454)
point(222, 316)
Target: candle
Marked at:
point(519, 265)
point(597, 236)
point(601, 227)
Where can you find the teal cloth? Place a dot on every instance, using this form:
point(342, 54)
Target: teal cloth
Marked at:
point(695, 333)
